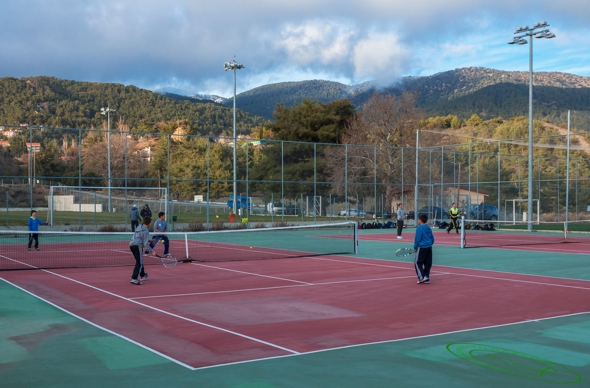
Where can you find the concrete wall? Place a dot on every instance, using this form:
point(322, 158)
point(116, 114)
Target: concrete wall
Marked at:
point(65, 203)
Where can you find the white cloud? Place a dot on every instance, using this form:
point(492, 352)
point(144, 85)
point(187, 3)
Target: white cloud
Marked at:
point(382, 57)
point(315, 42)
point(155, 42)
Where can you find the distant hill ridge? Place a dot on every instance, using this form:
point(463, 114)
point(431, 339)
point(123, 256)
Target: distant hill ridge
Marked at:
point(435, 92)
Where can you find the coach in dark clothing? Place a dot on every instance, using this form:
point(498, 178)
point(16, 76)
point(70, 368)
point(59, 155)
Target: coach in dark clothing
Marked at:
point(134, 216)
point(146, 211)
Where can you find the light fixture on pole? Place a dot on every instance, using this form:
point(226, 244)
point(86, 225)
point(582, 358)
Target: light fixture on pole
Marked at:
point(107, 111)
point(539, 30)
point(229, 66)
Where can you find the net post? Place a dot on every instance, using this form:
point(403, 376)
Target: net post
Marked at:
point(186, 245)
point(462, 232)
point(565, 230)
point(356, 237)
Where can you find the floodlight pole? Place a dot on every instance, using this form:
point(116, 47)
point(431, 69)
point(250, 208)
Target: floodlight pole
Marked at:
point(539, 30)
point(108, 111)
point(229, 66)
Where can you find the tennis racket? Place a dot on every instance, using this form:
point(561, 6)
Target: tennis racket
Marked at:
point(168, 261)
point(404, 252)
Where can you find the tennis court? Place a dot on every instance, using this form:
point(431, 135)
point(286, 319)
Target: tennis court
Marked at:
point(303, 317)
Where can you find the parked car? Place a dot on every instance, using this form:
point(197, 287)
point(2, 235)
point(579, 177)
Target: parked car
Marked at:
point(434, 212)
point(279, 208)
point(352, 213)
point(292, 210)
point(489, 212)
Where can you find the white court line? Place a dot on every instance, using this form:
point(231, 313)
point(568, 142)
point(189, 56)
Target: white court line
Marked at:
point(303, 353)
point(270, 288)
point(447, 266)
point(244, 249)
point(518, 281)
point(169, 313)
point(251, 273)
point(100, 327)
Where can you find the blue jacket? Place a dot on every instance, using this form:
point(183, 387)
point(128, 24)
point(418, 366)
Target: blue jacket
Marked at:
point(423, 237)
point(134, 214)
point(34, 224)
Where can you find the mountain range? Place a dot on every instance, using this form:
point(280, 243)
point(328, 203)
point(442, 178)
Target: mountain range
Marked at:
point(462, 92)
point(48, 101)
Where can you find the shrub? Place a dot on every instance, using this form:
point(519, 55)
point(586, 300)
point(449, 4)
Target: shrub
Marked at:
point(195, 226)
point(111, 228)
point(280, 224)
point(218, 225)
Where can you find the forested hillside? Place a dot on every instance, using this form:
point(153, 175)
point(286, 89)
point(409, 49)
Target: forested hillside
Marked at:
point(261, 101)
point(510, 100)
point(52, 102)
point(463, 92)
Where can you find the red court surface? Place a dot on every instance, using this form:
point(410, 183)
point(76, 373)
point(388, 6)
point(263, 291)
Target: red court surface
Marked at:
point(201, 315)
point(496, 239)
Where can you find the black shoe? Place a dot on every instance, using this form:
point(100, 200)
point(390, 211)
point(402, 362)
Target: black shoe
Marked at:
point(29, 248)
point(448, 231)
point(457, 232)
point(36, 249)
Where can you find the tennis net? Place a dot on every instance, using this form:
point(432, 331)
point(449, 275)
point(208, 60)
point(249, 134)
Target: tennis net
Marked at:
point(489, 234)
point(108, 249)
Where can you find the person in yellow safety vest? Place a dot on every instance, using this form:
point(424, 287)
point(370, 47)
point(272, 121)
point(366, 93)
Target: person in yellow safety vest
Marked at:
point(454, 213)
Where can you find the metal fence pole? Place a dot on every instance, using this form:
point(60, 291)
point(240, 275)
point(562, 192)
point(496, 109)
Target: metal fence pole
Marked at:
point(567, 173)
point(80, 178)
point(282, 181)
point(416, 182)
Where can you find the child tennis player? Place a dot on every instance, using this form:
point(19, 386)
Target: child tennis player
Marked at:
point(423, 241)
point(160, 231)
point(140, 241)
point(34, 223)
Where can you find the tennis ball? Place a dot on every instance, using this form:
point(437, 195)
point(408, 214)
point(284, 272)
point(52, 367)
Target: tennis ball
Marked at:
point(216, 216)
point(250, 247)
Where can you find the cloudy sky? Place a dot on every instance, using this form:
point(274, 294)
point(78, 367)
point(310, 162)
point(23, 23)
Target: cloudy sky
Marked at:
point(184, 43)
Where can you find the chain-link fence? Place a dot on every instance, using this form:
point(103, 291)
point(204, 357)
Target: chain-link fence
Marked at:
point(97, 178)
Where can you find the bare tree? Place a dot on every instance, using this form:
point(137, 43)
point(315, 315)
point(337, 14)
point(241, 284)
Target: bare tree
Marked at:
point(125, 158)
point(374, 154)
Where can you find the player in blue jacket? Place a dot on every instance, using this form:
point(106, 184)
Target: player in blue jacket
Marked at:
point(34, 223)
point(160, 233)
point(423, 242)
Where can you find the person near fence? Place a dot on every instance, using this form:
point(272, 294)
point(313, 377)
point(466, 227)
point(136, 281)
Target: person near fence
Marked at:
point(139, 242)
point(160, 233)
point(146, 211)
point(34, 223)
point(134, 216)
point(423, 241)
point(401, 214)
point(454, 213)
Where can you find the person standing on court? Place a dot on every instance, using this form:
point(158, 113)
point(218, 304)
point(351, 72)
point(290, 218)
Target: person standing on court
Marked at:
point(134, 216)
point(454, 213)
point(423, 241)
point(34, 223)
point(160, 231)
point(139, 242)
point(146, 211)
point(401, 214)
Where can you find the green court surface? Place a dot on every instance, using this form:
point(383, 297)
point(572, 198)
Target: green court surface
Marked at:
point(43, 346)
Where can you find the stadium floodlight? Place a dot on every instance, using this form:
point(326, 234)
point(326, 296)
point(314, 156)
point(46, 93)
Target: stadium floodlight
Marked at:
point(107, 111)
point(234, 66)
point(537, 33)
